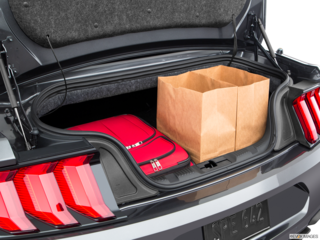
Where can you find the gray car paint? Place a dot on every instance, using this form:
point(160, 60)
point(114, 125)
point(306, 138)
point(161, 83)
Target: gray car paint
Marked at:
point(304, 169)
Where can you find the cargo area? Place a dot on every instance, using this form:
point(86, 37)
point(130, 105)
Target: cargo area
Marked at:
point(141, 103)
point(135, 92)
point(137, 96)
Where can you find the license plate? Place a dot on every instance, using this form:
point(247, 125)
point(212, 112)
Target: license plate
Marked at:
point(242, 225)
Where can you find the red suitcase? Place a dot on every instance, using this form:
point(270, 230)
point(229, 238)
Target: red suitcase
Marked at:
point(153, 151)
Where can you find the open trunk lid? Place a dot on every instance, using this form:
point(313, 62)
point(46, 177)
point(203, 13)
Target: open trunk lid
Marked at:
point(85, 32)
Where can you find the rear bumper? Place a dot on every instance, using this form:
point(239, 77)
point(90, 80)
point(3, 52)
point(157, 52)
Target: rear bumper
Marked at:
point(303, 169)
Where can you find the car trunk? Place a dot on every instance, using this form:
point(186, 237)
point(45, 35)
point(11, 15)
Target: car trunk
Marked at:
point(141, 103)
point(135, 92)
point(87, 102)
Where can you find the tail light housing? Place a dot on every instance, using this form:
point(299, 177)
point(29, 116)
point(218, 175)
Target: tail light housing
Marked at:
point(80, 189)
point(46, 191)
point(12, 216)
point(317, 95)
point(313, 104)
point(302, 110)
point(304, 97)
point(40, 195)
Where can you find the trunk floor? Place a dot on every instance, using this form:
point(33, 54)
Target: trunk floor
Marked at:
point(142, 104)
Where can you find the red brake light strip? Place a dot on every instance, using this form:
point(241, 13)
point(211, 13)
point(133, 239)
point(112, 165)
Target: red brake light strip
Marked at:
point(305, 118)
point(12, 216)
point(40, 195)
point(80, 189)
point(317, 95)
point(314, 108)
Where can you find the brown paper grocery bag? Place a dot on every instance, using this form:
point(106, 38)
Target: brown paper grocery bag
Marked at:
point(199, 113)
point(252, 107)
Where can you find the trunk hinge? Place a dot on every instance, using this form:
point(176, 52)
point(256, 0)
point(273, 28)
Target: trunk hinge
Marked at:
point(20, 122)
point(253, 23)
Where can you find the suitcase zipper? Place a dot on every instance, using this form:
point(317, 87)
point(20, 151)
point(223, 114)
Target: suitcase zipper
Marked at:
point(180, 165)
point(143, 141)
point(156, 165)
point(159, 157)
point(136, 144)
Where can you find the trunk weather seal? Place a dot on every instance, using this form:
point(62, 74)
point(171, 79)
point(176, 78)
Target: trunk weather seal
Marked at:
point(204, 177)
point(132, 74)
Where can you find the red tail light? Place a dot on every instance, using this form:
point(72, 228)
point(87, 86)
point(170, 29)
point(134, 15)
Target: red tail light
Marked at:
point(40, 195)
point(12, 216)
point(44, 190)
point(305, 119)
point(314, 108)
point(80, 189)
point(317, 95)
